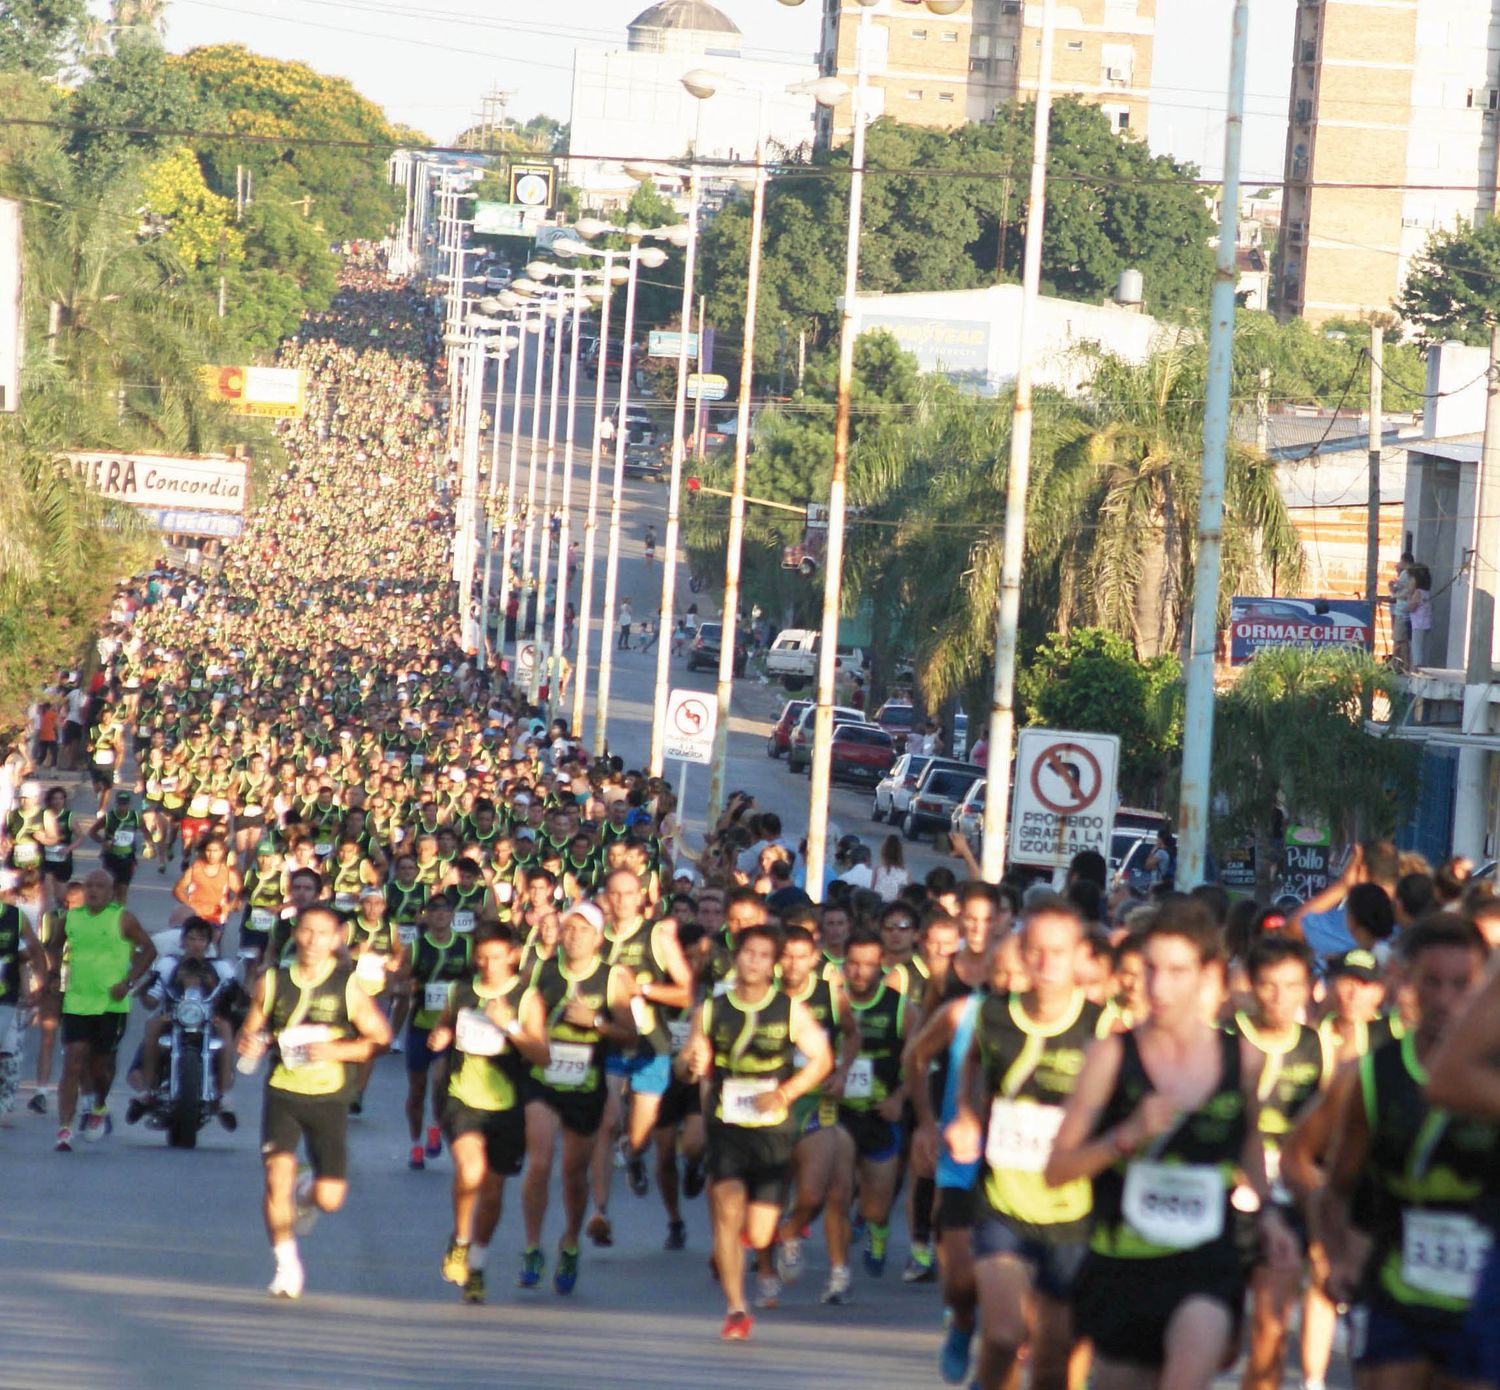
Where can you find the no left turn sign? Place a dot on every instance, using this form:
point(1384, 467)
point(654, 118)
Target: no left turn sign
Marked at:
point(1065, 794)
point(691, 718)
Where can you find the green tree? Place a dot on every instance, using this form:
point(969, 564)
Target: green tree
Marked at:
point(36, 36)
point(198, 224)
point(1289, 736)
point(1453, 291)
point(1092, 680)
point(286, 106)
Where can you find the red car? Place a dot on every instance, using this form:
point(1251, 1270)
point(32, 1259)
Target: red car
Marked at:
point(895, 717)
point(780, 737)
point(860, 752)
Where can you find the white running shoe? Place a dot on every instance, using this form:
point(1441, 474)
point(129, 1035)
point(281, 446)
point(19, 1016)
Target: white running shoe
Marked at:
point(287, 1282)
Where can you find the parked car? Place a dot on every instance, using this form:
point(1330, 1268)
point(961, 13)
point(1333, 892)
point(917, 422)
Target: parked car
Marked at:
point(645, 461)
point(640, 428)
point(860, 753)
point(703, 654)
point(1133, 824)
point(894, 790)
point(937, 796)
point(793, 657)
point(780, 737)
point(799, 747)
point(895, 717)
point(968, 816)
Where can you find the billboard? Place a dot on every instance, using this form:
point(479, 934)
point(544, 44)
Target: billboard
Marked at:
point(275, 391)
point(161, 481)
point(507, 219)
point(957, 347)
point(176, 522)
point(532, 184)
point(10, 305)
point(1258, 623)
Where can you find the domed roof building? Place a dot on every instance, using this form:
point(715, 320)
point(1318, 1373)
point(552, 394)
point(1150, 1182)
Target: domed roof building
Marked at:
point(684, 27)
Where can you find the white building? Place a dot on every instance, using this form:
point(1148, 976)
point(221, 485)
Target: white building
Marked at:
point(970, 335)
point(629, 103)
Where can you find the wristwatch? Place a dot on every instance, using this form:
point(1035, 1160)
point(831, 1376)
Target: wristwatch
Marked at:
point(600, 1019)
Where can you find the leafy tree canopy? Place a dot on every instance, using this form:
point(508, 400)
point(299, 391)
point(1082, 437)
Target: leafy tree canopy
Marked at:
point(1453, 291)
point(37, 35)
point(198, 224)
point(283, 103)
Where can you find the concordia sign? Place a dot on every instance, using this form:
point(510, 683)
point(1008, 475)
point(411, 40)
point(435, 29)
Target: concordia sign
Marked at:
point(1258, 623)
point(158, 481)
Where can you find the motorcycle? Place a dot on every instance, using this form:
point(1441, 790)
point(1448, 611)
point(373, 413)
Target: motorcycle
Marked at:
point(187, 1095)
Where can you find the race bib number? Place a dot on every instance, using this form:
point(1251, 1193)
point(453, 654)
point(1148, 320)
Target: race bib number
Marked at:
point(105, 757)
point(371, 968)
point(124, 840)
point(27, 853)
point(1020, 1135)
point(1177, 1206)
point(1442, 1253)
point(55, 854)
point(435, 997)
point(343, 902)
point(251, 809)
point(569, 1065)
point(196, 683)
point(737, 1101)
point(262, 919)
point(505, 891)
point(323, 848)
point(294, 1043)
point(417, 760)
point(407, 935)
point(478, 1034)
point(680, 1029)
point(860, 1083)
point(463, 923)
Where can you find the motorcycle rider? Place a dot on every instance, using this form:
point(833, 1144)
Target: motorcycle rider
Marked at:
point(172, 977)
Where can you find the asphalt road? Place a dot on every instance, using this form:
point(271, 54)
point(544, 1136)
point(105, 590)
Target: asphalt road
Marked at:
point(138, 1266)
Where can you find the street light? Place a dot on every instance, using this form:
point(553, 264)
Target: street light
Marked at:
point(651, 257)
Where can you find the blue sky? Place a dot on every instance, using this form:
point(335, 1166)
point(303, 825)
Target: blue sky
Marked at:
point(428, 62)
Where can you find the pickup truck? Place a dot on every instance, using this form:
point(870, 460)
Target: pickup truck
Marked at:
point(793, 657)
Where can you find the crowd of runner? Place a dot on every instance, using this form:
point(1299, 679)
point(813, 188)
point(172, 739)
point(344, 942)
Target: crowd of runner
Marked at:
point(1123, 1149)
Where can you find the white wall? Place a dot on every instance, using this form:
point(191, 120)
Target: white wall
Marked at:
point(634, 106)
point(971, 334)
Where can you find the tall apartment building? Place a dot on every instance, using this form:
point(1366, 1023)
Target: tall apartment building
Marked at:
point(1394, 107)
point(946, 70)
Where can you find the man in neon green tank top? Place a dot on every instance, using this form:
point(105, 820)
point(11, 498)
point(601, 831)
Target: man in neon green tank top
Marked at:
point(107, 952)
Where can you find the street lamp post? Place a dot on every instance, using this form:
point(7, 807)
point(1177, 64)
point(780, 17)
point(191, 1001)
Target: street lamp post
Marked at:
point(502, 351)
point(508, 538)
point(651, 257)
point(556, 310)
point(539, 327)
point(1018, 479)
point(559, 624)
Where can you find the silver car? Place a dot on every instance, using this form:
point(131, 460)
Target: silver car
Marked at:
point(936, 798)
point(893, 791)
point(968, 815)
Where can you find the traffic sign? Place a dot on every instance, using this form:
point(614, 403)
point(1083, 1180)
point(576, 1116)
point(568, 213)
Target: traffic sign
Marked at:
point(1065, 794)
point(526, 657)
point(691, 717)
point(662, 343)
point(707, 386)
point(531, 667)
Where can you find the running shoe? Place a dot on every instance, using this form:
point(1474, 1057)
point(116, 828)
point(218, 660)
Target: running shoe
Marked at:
point(135, 1109)
point(456, 1262)
point(599, 1230)
point(417, 1161)
point(919, 1268)
point(228, 1118)
point(954, 1355)
point(474, 1287)
point(692, 1177)
point(789, 1260)
point(635, 1174)
point(737, 1327)
point(838, 1286)
point(64, 1143)
point(676, 1236)
point(875, 1239)
point(287, 1283)
point(434, 1141)
point(768, 1291)
point(533, 1263)
point(357, 1106)
point(38, 1103)
point(565, 1276)
point(97, 1124)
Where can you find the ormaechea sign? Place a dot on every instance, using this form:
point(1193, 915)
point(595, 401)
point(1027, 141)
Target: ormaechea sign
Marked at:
point(162, 480)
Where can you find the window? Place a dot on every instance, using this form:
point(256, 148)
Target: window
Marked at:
point(912, 94)
point(945, 96)
point(1122, 120)
point(919, 34)
point(1075, 45)
point(948, 36)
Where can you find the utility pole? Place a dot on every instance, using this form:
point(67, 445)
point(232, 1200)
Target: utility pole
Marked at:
point(1372, 520)
point(239, 192)
point(1198, 724)
point(1017, 483)
point(1263, 412)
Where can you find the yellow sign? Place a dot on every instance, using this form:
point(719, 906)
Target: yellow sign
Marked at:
point(274, 391)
